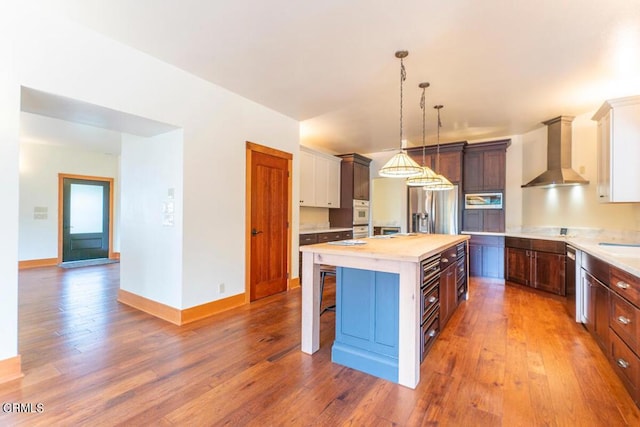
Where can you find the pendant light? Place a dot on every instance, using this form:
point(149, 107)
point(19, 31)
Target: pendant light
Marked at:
point(427, 176)
point(401, 165)
point(444, 183)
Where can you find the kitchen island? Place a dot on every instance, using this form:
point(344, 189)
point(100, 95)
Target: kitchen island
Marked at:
point(397, 264)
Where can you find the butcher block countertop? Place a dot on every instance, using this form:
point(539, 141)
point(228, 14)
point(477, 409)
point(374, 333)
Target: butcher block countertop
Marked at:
point(395, 247)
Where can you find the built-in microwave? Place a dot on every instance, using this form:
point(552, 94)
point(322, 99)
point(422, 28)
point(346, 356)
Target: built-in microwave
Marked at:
point(360, 212)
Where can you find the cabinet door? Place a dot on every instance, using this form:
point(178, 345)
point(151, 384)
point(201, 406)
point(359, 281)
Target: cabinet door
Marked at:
point(493, 170)
point(360, 182)
point(493, 261)
point(451, 166)
point(472, 220)
point(597, 311)
point(475, 260)
point(473, 179)
point(604, 144)
point(549, 272)
point(493, 220)
point(333, 184)
point(307, 179)
point(321, 182)
point(518, 266)
point(448, 295)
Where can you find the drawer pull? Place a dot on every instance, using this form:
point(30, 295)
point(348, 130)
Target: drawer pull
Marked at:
point(624, 320)
point(622, 285)
point(622, 363)
point(432, 333)
point(431, 299)
point(445, 260)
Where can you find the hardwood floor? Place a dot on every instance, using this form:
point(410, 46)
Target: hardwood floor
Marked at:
point(507, 357)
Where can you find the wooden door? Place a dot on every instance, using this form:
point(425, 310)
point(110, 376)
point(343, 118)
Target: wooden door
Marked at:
point(549, 272)
point(85, 217)
point(269, 217)
point(518, 266)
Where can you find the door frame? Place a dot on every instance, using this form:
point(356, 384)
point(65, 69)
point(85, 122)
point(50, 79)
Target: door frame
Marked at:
point(250, 148)
point(61, 177)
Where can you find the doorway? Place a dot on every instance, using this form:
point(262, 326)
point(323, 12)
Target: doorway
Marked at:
point(85, 218)
point(268, 231)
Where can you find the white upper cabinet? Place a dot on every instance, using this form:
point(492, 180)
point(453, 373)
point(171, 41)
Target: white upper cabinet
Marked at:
point(319, 179)
point(619, 150)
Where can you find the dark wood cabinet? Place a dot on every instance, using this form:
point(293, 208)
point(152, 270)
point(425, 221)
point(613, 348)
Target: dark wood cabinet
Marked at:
point(484, 170)
point(537, 263)
point(597, 310)
point(354, 185)
point(485, 166)
point(360, 181)
point(450, 159)
point(448, 293)
point(485, 220)
point(486, 256)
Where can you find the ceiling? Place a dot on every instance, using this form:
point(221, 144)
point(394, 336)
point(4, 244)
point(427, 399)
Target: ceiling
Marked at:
point(499, 67)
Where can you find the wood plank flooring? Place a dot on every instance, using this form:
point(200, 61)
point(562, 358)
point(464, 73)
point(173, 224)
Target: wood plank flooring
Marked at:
point(507, 357)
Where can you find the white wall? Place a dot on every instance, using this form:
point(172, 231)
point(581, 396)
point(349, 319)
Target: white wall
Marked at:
point(571, 206)
point(151, 247)
point(9, 136)
point(51, 54)
point(39, 168)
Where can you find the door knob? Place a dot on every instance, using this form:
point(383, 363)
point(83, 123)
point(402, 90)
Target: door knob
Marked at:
point(255, 232)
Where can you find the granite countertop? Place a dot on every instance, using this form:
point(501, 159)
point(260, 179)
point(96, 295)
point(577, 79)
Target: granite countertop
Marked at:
point(395, 247)
point(623, 253)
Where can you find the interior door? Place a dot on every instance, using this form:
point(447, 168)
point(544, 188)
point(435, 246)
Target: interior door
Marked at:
point(85, 219)
point(269, 222)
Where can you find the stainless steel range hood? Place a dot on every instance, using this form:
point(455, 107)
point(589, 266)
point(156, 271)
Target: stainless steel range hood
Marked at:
point(559, 170)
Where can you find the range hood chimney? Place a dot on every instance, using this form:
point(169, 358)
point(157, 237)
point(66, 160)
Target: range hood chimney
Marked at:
point(559, 170)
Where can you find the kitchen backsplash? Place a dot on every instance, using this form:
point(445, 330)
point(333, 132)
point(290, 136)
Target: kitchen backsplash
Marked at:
point(628, 236)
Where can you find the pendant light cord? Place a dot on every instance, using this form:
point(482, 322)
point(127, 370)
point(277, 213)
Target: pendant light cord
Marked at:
point(438, 107)
point(403, 77)
point(422, 107)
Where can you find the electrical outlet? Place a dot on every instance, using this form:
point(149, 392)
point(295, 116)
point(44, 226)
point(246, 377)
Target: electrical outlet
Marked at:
point(221, 288)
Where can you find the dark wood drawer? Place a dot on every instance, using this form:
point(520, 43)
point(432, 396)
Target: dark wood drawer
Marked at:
point(517, 242)
point(596, 267)
point(429, 302)
point(308, 239)
point(448, 257)
point(626, 364)
point(429, 333)
point(345, 235)
point(552, 246)
point(623, 319)
point(626, 285)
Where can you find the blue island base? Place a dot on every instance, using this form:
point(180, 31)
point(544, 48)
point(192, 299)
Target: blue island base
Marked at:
point(367, 322)
point(362, 360)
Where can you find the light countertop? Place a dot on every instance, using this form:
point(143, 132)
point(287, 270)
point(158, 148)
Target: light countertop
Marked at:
point(395, 247)
point(325, 230)
point(626, 258)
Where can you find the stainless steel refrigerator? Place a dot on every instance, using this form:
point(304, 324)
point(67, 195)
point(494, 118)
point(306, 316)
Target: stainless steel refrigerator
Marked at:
point(434, 212)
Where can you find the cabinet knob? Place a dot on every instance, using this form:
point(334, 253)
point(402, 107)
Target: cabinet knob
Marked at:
point(622, 363)
point(431, 299)
point(432, 333)
point(622, 285)
point(445, 260)
point(623, 320)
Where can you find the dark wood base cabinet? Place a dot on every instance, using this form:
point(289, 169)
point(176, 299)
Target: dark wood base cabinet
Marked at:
point(537, 263)
point(612, 315)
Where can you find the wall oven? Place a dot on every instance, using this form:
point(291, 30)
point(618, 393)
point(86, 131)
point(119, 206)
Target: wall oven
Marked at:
point(360, 212)
point(360, 231)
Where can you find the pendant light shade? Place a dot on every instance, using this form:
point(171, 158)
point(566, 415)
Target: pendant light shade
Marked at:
point(427, 176)
point(401, 165)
